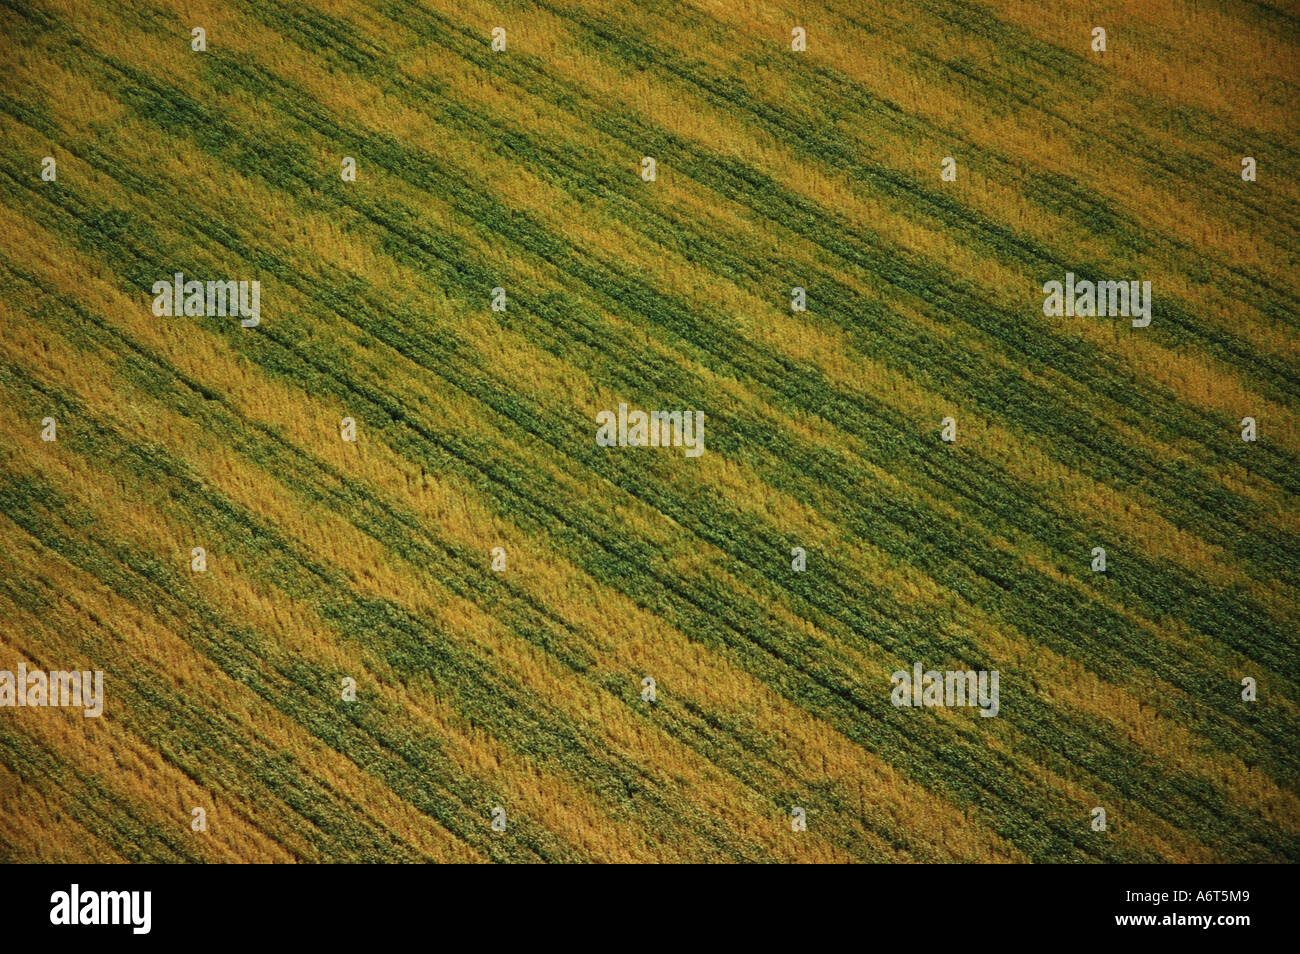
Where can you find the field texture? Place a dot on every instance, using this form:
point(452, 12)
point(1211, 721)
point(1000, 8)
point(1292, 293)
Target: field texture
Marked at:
point(521, 688)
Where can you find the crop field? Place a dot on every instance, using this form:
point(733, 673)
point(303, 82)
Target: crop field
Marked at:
point(475, 632)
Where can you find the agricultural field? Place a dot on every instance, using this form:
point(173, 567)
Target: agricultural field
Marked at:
point(477, 632)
